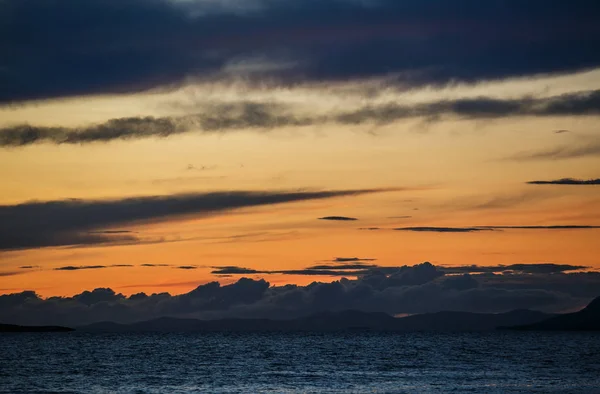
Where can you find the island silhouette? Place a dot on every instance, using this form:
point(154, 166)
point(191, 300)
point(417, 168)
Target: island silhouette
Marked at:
point(587, 319)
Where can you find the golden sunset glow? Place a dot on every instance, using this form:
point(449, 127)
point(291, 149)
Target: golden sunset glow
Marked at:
point(451, 173)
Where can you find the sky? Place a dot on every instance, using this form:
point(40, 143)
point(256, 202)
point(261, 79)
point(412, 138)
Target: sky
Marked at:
point(270, 158)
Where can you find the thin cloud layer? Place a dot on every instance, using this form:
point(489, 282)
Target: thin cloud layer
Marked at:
point(339, 218)
point(443, 229)
point(80, 267)
point(563, 152)
point(318, 270)
point(91, 267)
point(268, 116)
point(417, 289)
point(78, 222)
point(555, 227)
point(364, 270)
point(476, 229)
point(567, 181)
point(349, 259)
point(543, 268)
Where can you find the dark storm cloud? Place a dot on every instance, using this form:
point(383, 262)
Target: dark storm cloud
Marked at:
point(443, 229)
point(67, 222)
point(338, 218)
point(567, 181)
point(255, 115)
point(409, 289)
point(73, 47)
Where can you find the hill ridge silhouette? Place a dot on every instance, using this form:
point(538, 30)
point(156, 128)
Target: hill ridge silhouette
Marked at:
point(587, 319)
point(336, 321)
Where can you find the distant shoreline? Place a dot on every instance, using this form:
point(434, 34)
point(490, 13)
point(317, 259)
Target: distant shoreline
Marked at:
point(14, 328)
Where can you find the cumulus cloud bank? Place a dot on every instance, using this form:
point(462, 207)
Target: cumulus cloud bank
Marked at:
point(420, 288)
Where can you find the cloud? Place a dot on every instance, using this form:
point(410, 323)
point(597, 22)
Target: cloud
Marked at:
point(475, 229)
point(338, 218)
point(80, 267)
point(590, 149)
point(443, 229)
point(561, 131)
point(91, 267)
point(186, 267)
point(71, 48)
point(112, 232)
point(571, 104)
point(217, 118)
point(69, 222)
point(154, 265)
point(9, 273)
point(359, 266)
point(268, 116)
point(542, 268)
point(409, 289)
point(393, 273)
point(311, 271)
point(554, 227)
point(349, 259)
point(462, 282)
point(232, 270)
point(567, 181)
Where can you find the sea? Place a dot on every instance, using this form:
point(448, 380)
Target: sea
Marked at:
point(302, 362)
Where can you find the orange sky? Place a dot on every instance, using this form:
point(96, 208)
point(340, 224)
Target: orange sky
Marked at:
point(452, 173)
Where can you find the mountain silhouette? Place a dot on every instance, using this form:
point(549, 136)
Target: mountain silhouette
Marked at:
point(17, 328)
point(467, 321)
point(335, 321)
point(587, 319)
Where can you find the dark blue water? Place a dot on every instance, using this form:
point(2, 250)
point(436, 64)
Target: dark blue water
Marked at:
point(503, 362)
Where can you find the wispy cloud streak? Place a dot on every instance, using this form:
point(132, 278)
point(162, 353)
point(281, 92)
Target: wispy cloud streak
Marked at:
point(80, 222)
point(269, 116)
